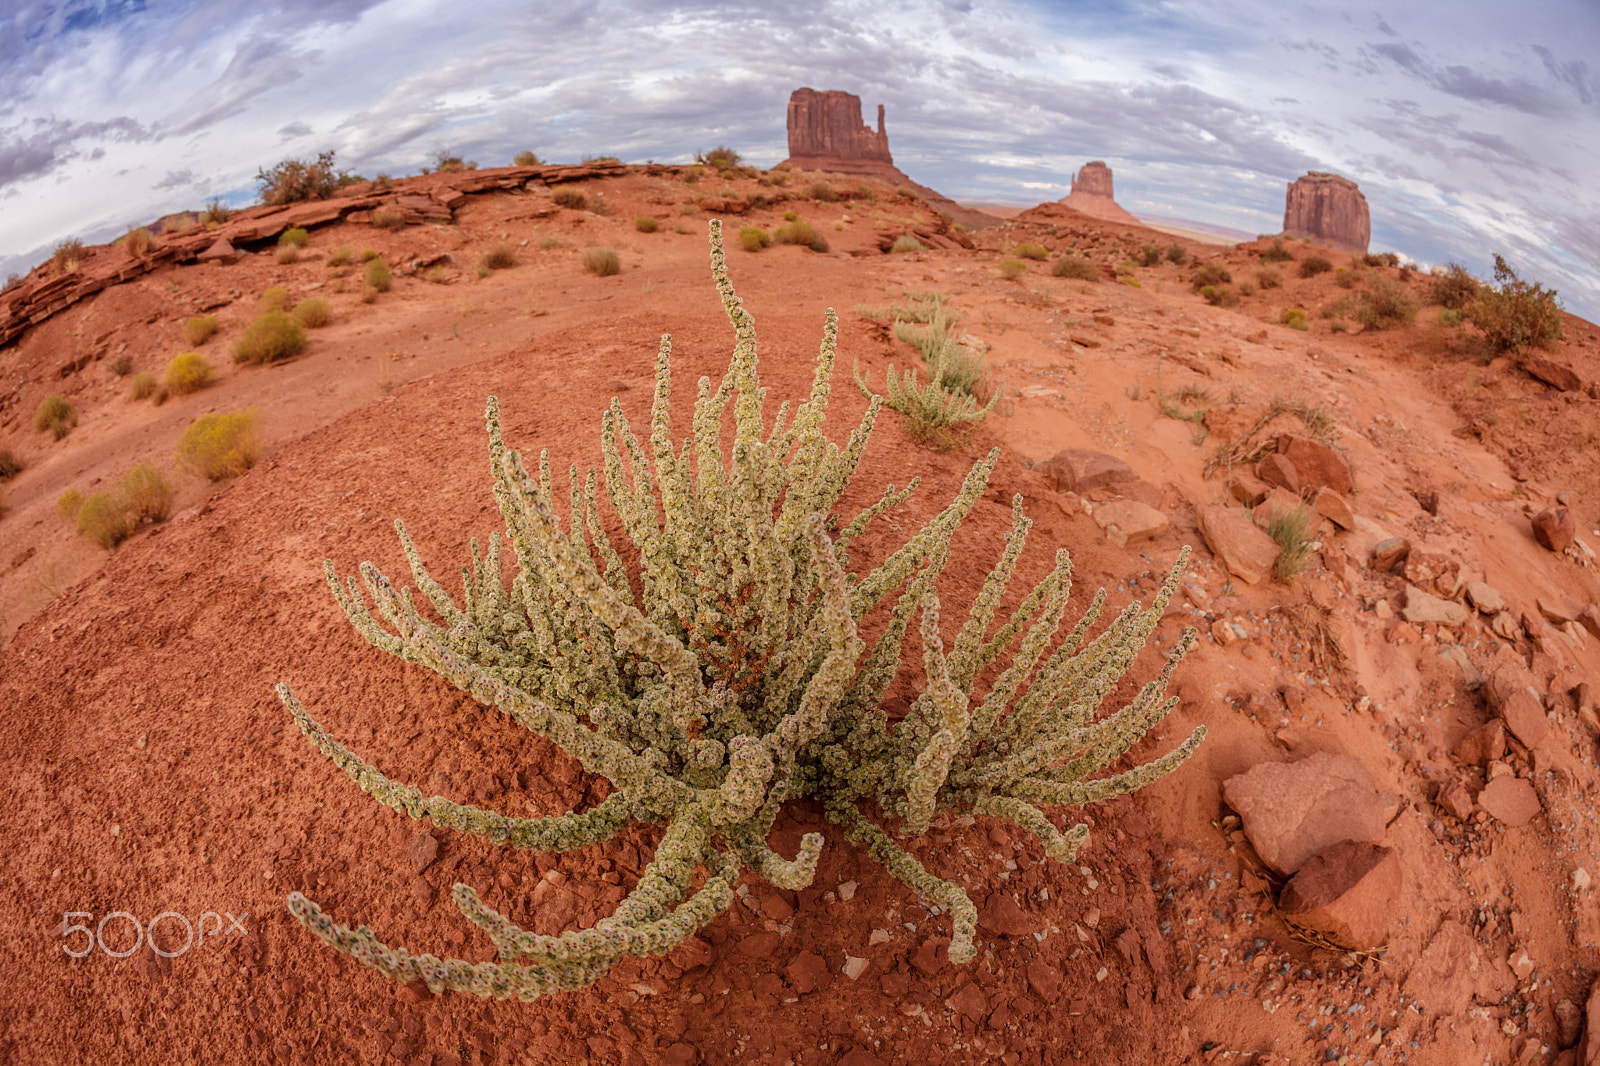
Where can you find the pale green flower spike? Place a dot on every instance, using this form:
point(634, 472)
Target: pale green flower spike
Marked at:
point(735, 680)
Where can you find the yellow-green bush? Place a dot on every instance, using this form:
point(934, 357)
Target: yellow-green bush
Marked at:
point(1075, 266)
point(218, 446)
point(907, 243)
point(55, 416)
point(142, 385)
point(378, 277)
point(753, 238)
point(313, 313)
point(1012, 269)
point(340, 256)
point(146, 495)
point(802, 234)
point(271, 337)
point(602, 262)
point(187, 373)
point(645, 223)
point(1037, 252)
point(103, 519)
point(568, 197)
point(295, 237)
point(68, 503)
point(139, 242)
point(199, 329)
point(524, 159)
point(1295, 318)
point(1514, 314)
point(274, 299)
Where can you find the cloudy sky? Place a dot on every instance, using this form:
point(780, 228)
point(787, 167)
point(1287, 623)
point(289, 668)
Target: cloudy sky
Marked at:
point(1472, 126)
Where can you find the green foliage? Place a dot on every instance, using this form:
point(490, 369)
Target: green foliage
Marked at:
point(1269, 278)
point(645, 223)
point(1291, 528)
point(1037, 252)
point(1295, 318)
point(907, 243)
point(68, 504)
point(199, 329)
point(1075, 266)
point(791, 216)
point(146, 495)
point(1012, 269)
point(368, 255)
point(142, 385)
point(187, 373)
point(1451, 317)
point(275, 298)
point(1210, 274)
point(1219, 295)
point(271, 337)
point(524, 159)
point(54, 416)
point(1514, 314)
point(753, 238)
point(1276, 253)
point(1150, 256)
point(217, 446)
point(568, 197)
point(294, 180)
point(821, 191)
point(294, 237)
point(802, 234)
point(549, 243)
point(378, 277)
point(312, 313)
point(601, 262)
point(1177, 254)
point(1312, 265)
point(719, 158)
point(729, 676)
point(920, 307)
point(1453, 287)
point(103, 519)
point(1383, 302)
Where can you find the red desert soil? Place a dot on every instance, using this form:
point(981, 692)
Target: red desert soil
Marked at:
point(151, 769)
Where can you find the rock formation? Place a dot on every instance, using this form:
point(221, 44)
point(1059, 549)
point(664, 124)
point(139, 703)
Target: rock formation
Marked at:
point(826, 133)
point(1091, 194)
point(1326, 207)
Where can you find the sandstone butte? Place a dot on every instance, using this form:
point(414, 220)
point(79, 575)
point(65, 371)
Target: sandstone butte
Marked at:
point(826, 133)
point(1091, 194)
point(1327, 208)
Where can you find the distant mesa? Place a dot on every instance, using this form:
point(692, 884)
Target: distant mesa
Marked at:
point(826, 133)
point(1328, 208)
point(1091, 195)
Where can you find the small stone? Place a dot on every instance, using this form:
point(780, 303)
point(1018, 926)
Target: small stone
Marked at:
point(1505, 626)
point(1348, 893)
point(1045, 979)
point(1078, 470)
point(1277, 469)
point(853, 967)
point(1278, 502)
point(759, 945)
point(932, 956)
point(1569, 1023)
point(1001, 915)
point(1456, 654)
point(1525, 717)
point(1554, 528)
point(968, 1000)
point(1133, 520)
point(1485, 598)
point(1421, 608)
point(1292, 811)
point(1589, 618)
point(807, 972)
point(680, 1054)
point(1581, 879)
point(1402, 633)
point(1318, 465)
point(1247, 552)
point(1510, 800)
point(847, 890)
point(691, 954)
point(1456, 800)
point(1483, 745)
point(1335, 508)
point(1521, 964)
point(1383, 610)
point(1223, 633)
point(1555, 612)
point(1387, 554)
point(422, 849)
point(777, 908)
point(878, 936)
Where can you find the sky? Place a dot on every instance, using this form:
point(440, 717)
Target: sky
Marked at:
point(1472, 127)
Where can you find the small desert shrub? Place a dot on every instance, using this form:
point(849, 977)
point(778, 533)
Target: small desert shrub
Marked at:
point(368, 254)
point(1276, 253)
point(1012, 269)
point(691, 175)
point(294, 237)
point(1219, 295)
point(216, 213)
point(483, 270)
point(287, 254)
point(187, 373)
point(1339, 325)
point(1177, 254)
point(1453, 288)
point(602, 159)
point(905, 192)
point(274, 299)
point(753, 238)
point(121, 366)
point(1346, 278)
point(566, 196)
point(500, 257)
point(341, 256)
point(1385, 301)
point(719, 158)
point(294, 180)
point(139, 242)
point(10, 464)
point(103, 519)
point(601, 262)
point(1211, 275)
point(1075, 266)
point(1450, 316)
point(907, 243)
point(1269, 278)
point(1291, 528)
point(1387, 259)
point(524, 159)
point(436, 274)
point(645, 223)
point(146, 495)
point(387, 218)
point(368, 294)
point(1514, 314)
point(1126, 267)
point(549, 243)
point(446, 162)
point(217, 446)
point(821, 191)
point(142, 385)
point(199, 329)
point(378, 277)
point(1312, 265)
point(802, 234)
point(68, 504)
point(1150, 255)
point(68, 255)
point(313, 313)
point(791, 216)
point(1037, 252)
point(55, 416)
point(271, 337)
point(1295, 318)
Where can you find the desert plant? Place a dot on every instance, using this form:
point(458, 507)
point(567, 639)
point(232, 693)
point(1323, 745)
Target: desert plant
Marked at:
point(217, 446)
point(719, 158)
point(753, 238)
point(603, 159)
point(483, 270)
point(341, 256)
point(1028, 250)
point(271, 337)
point(1276, 253)
point(1075, 266)
point(447, 162)
point(1012, 269)
point(388, 218)
point(54, 416)
point(103, 519)
point(68, 504)
point(1219, 295)
point(1312, 265)
point(1514, 314)
point(1338, 325)
point(138, 242)
point(216, 213)
point(1453, 287)
point(1346, 277)
point(1294, 318)
point(1150, 256)
point(1449, 316)
point(1269, 278)
point(954, 362)
point(142, 385)
point(187, 373)
point(1177, 254)
point(823, 192)
point(524, 159)
point(378, 277)
point(294, 237)
point(907, 243)
point(548, 243)
point(1384, 301)
point(199, 329)
point(68, 255)
point(802, 234)
point(1212, 275)
point(294, 180)
point(791, 216)
point(312, 313)
point(10, 464)
point(601, 262)
point(645, 223)
point(287, 254)
point(500, 257)
point(1376, 259)
point(146, 495)
point(735, 679)
point(368, 254)
point(122, 366)
point(566, 196)
point(275, 298)
point(1291, 528)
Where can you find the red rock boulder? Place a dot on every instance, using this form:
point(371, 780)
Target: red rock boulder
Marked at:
point(1292, 811)
point(1348, 893)
point(1247, 552)
point(1319, 466)
point(1554, 528)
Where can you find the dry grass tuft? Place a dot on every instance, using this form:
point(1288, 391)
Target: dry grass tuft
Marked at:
point(55, 416)
point(602, 262)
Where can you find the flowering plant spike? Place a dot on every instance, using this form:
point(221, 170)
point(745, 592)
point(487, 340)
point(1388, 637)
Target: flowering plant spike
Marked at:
point(735, 680)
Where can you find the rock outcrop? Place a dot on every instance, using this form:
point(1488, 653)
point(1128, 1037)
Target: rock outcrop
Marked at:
point(1091, 194)
point(826, 133)
point(1328, 208)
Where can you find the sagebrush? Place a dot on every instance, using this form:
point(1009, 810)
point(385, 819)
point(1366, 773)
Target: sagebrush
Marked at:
point(733, 679)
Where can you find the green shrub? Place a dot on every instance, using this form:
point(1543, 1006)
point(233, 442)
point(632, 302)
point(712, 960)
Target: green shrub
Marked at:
point(55, 416)
point(1312, 265)
point(802, 234)
point(500, 257)
point(753, 238)
point(139, 242)
point(199, 329)
point(368, 255)
point(645, 223)
point(1012, 269)
point(1383, 302)
point(271, 337)
point(388, 218)
point(601, 262)
point(738, 681)
point(294, 237)
point(1295, 318)
point(187, 373)
point(1269, 278)
point(340, 257)
point(312, 313)
point(1276, 253)
point(1219, 295)
point(1346, 278)
point(1210, 275)
point(378, 277)
point(524, 159)
point(103, 519)
point(217, 446)
point(719, 158)
point(1075, 266)
point(146, 495)
point(1514, 314)
point(1177, 254)
point(1150, 255)
point(1453, 288)
point(1037, 252)
point(567, 196)
point(274, 299)
point(294, 180)
point(907, 243)
point(1291, 528)
point(1450, 316)
point(547, 243)
point(447, 162)
point(142, 385)
point(821, 191)
point(68, 504)
point(791, 216)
